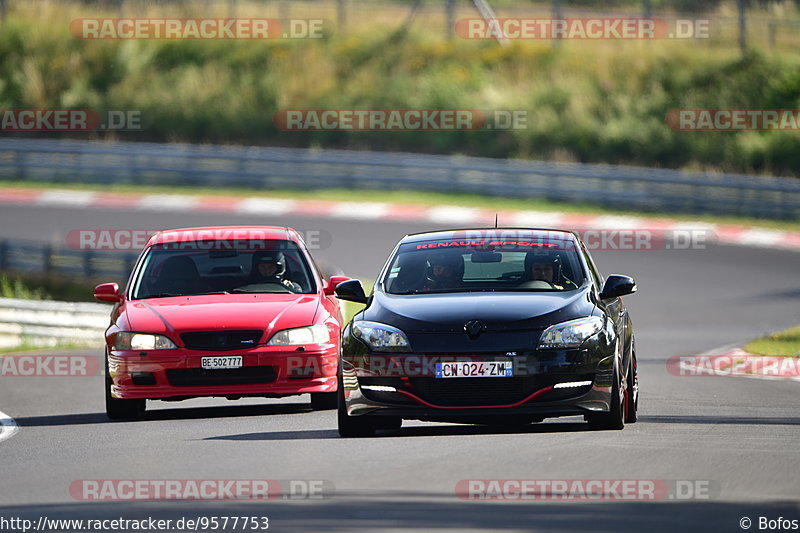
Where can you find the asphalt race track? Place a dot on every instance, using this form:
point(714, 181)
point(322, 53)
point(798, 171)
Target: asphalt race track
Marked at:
point(737, 436)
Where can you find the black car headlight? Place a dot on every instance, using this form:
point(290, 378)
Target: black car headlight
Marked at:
point(570, 334)
point(381, 337)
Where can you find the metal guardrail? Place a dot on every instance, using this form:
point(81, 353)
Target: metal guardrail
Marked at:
point(61, 262)
point(59, 161)
point(48, 323)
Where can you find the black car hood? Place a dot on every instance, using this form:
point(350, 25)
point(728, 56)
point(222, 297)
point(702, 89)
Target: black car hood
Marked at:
point(506, 311)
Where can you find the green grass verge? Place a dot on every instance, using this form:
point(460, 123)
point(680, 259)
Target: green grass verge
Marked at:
point(15, 287)
point(783, 343)
point(411, 197)
point(26, 348)
point(34, 287)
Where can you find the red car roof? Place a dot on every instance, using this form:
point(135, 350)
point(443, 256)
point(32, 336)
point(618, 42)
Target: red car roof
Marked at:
point(224, 233)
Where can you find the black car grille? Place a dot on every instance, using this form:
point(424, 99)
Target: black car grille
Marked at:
point(473, 391)
point(199, 377)
point(221, 340)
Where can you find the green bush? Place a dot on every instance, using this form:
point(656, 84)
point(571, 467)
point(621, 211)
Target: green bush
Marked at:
point(587, 101)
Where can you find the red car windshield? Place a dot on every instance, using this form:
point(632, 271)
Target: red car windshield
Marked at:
point(221, 267)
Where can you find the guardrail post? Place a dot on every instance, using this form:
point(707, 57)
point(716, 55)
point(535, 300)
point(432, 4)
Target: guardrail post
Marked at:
point(88, 269)
point(743, 25)
point(557, 15)
point(771, 31)
point(3, 255)
point(341, 15)
point(450, 16)
point(47, 260)
point(128, 264)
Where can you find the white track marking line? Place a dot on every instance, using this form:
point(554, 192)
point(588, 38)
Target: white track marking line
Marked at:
point(8, 427)
point(266, 206)
point(453, 215)
point(65, 197)
point(731, 350)
point(761, 238)
point(359, 210)
point(168, 202)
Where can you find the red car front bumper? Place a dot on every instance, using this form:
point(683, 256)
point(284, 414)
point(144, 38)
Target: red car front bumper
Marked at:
point(266, 371)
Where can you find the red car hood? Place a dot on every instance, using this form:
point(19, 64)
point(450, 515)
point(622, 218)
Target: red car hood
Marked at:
point(175, 315)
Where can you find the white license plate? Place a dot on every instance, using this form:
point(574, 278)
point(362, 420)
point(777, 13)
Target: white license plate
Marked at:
point(221, 362)
point(481, 369)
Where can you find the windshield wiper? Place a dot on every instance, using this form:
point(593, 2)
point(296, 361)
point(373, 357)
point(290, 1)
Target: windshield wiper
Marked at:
point(204, 293)
point(440, 291)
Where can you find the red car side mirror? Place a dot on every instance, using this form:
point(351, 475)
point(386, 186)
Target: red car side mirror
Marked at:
point(108, 292)
point(333, 283)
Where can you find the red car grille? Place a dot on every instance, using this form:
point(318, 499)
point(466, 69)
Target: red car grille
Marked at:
point(221, 340)
point(200, 377)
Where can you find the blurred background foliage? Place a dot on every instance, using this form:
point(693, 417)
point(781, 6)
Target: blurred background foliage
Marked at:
point(588, 101)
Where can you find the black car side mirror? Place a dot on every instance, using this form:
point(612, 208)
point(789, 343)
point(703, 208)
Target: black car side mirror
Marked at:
point(352, 291)
point(617, 285)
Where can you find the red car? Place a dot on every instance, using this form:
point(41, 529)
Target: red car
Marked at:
point(230, 312)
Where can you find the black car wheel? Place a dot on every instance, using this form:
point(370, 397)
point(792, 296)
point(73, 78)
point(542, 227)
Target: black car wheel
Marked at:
point(615, 417)
point(352, 426)
point(632, 393)
point(324, 401)
point(388, 422)
point(117, 409)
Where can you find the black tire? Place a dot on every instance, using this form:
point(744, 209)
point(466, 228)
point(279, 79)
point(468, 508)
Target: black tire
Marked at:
point(388, 422)
point(614, 418)
point(117, 409)
point(324, 401)
point(352, 426)
point(632, 393)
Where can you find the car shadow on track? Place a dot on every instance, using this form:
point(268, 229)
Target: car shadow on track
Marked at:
point(168, 414)
point(414, 431)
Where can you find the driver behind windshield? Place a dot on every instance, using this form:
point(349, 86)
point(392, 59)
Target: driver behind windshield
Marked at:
point(546, 268)
point(270, 267)
point(446, 271)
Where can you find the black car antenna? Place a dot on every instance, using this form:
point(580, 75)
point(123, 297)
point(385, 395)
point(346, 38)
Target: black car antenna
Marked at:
point(495, 220)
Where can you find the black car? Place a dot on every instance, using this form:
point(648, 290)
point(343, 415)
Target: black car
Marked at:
point(488, 326)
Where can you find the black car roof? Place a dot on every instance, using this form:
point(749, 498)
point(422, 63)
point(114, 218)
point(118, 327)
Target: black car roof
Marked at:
point(496, 232)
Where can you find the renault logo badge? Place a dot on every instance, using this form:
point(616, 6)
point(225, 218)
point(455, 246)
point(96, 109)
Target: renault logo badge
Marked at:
point(474, 328)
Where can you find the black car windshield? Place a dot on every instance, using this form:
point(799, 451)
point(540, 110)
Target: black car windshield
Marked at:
point(221, 267)
point(469, 265)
